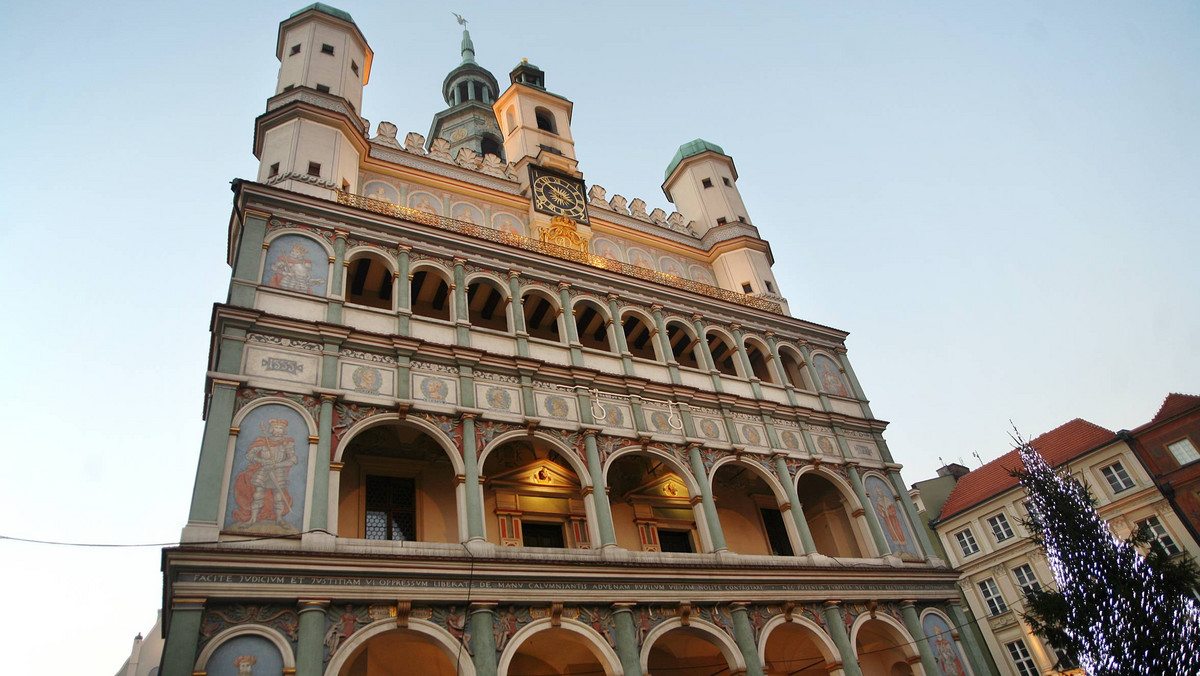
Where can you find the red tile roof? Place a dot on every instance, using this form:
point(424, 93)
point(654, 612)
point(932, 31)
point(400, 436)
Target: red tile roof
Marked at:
point(1172, 406)
point(1057, 446)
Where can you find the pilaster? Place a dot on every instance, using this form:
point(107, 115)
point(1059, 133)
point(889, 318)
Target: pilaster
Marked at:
point(627, 647)
point(710, 507)
point(837, 631)
point(310, 642)
point(483, 639)
point(913, 624)
point(743, 635)
point(608, 537)
point(248, 259)
point(179, 652)
point(475, 529)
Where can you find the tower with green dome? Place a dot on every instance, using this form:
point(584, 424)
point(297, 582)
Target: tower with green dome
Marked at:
point(469, 122)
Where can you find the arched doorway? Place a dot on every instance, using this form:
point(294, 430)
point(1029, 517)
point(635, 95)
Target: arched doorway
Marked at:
point(651, 505)
point(400, 652)
point(884, 650)
point(533, 497)
point(749, 512)
point(794, 649)
point(690, 651)
point(828, 517)
point(554, 651)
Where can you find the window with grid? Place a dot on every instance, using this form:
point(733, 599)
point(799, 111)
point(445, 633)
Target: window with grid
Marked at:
point(966, 542)
point(1021, 658)
point(1159, 531)
point(1026, 580)
point(1117, 478)
point(1184, 451)
point(991, 596)
point(391, 508)
point(1000, 528)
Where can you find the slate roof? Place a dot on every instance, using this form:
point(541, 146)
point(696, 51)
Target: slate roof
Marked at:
point(1059, 445)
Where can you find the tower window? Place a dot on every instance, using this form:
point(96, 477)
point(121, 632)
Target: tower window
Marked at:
point(741, 219)
point(721, 221)
point(274, 171)
point(726, 182)
point(707, 182)
point(314, 168)
point(545, 120)
point(288, 87)
point(354, 67)
point(746, 288)
point(327, 49)
point(345, 185)
point(770, 287)
point(295, 50)
point(323, 88)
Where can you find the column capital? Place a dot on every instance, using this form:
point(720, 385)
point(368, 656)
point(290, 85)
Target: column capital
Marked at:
point(908, 603)
point(404, 248)
point(340, 234)
point(831, 604)
point(564, 286)
point(307, 605)
point(514, 274)
point(188, 603)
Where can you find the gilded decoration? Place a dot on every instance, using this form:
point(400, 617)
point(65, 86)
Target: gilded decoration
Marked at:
point(563, 232)
point(549, 249)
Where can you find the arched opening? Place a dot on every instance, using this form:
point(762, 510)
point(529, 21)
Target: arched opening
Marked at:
point(533, 498)
point(723, 352)
point(687, 651)
point(883, 650)
point(639, 337)
point(683, 345)
point(399, 652)
point(487, 305)
point(397, 483)
point(792, 370)
point(369, 282)
point(828, 517)
point(430, 294)
point(651, 506)
point(760, 358)
point(545, 120)
point(551, 652)
point(793, 649)
point(592, 324)
point(749, 512)
point(491, 146)
point(541, 317)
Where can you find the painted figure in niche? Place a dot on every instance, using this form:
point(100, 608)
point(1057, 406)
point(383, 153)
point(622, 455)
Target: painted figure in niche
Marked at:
point(381, 193)
point(557, 407)
point(292, 269)
point(340, 629)
point(464, 214)
point(709, 429)
point(606, 250)
point(789, 440)
point(886, 510)
point(499, 398)
point(261, 490)
point(245, 664)
point(613, 416)
point(826, 446)
point(701, 275)
point(941, 639)
point(670, 267)
point(507, 224)
point(434, 389)
point(424, 204)
point(367, 379)
point(640, 259)
point(830, 376)
point(751, 434)
point(659, 421)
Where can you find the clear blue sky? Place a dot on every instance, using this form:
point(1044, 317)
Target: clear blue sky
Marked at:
point(998, 200)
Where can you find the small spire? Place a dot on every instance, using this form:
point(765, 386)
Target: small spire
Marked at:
point(468, 48)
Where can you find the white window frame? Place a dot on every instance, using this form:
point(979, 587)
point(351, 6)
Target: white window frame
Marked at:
point(1117, 477)
point(1026, 579)
point(1021, 659)
point(992, 597)
point(966, 542)
point(1000, 527)
point(1183, 451)
point(1156, 528)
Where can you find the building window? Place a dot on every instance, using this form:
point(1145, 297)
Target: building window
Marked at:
point(1000, 528)
point(966, 542)
point(354, 67)
point(345, 185)
point(1159, 532)
point(314, 168)
point(741, 219)
point(746, 288)
point(391, 508)
point(770, 287)
point(777, 535)
point(545, 120)
point(1118, 479)
point(726, 182)
point(679, 541)
point(991, 596)
point(323, 88)
point(721, 221)
point(1026, 580)
point(706, 182)
point(1021, 658)
point(274, 170)
point(327, 49)
point(542, 535)
point(295, 50)
point(1184, 451)
point(288, 87)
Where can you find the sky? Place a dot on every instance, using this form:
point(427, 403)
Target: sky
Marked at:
point(998, 201)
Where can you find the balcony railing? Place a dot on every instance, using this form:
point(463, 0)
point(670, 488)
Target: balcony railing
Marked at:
point(530, 244)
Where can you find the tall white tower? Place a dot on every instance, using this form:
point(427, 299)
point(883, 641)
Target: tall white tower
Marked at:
point(311, 138)
point(536, 124)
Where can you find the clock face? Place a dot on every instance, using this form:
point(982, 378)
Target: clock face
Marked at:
point(559, 196)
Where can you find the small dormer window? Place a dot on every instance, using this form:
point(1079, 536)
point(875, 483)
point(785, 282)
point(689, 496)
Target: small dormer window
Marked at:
point(295, 50)
point(354, 67)
point(323, 88)
point(327, 49)
point(545, 120)
point(721, 221)
point(726, 182)
point(314, 168)
point(274, 170)
point(707, 182)
point(746, 288)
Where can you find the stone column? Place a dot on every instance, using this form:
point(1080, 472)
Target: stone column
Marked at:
point(837, 631)
point(310, 644)
point(608, 537)
point(337, 295)
point(564, 297)
point(462, 323)
point(797, 510)
point(619, 334)
point(913, 624)
point(626, 636)
point(518, 312)
point(744, 357)
point(664, 343)
point(966, 631)
point(710, 507)
point(855, 386)
point(248, 259)
point(788, 386)
point(403, 290)
point(743, 634)
point(914, 520)
point(872, 521)
point(319, 519)
point(475, 530)
point(483, 639)
point(709, 364)
point(179, 652)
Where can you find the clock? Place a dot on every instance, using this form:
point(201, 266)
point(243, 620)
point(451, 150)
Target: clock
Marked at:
point(558, 195)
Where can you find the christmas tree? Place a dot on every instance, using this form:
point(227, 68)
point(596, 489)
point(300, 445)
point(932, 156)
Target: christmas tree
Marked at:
point(1115, 610)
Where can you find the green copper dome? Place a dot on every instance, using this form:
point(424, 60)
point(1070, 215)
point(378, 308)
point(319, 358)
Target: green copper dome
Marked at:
point(322, 7)
point(688, 150)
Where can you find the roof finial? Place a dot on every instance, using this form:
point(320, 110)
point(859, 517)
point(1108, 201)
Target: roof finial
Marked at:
point(468, 48)
point(461, 21)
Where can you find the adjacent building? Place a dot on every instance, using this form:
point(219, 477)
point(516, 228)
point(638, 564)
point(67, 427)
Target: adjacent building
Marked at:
point(467, 414)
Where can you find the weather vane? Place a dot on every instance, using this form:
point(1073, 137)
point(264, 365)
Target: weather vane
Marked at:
point(461, 21)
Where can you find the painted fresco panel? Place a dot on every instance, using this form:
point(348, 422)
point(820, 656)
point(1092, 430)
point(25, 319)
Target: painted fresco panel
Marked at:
point(702, 275)
point(423, 201)
point(941, 641)
point(298, 368)
point(662, 421)
point(296, 263)
point(270, 473)
point(829, 376)
point(245, 656)
point(508, 223)
point(753, 435)
point(710, 428)
point(863, 449)
point(826, 445)
point(671, 266)
point(556, 405)
point(378, 190)
point(367, 378)
point(616, 415)
point(434, 389)
point(606, 248)
point(791, 440)
point(467, 212)
point(498, 397)
point(891, 518)
point(641, 259)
